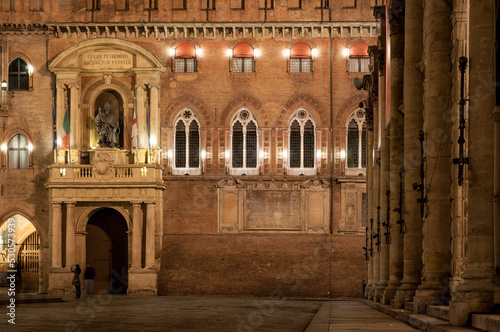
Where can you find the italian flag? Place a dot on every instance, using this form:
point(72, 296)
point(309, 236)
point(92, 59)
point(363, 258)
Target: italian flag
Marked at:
point(66, 130)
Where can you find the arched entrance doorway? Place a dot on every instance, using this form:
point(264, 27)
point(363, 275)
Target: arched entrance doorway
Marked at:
point(107, 248)
point(27, 253)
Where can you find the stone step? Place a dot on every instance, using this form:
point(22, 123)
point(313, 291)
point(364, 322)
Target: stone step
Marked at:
point(419, 321)
point(409, 306)
point(490, 323)
point(437, 311)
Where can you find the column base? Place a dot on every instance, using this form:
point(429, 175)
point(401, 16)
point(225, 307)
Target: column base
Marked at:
point(60, 281)
point(142, 281)
point(371, 293)
point(367, 291)
point(474, 295)
point(389, 293)
point(402, 296)
point(379, 292)
point(425, 297)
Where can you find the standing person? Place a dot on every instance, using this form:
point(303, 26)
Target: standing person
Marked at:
point(76, 279)
point(89, 278)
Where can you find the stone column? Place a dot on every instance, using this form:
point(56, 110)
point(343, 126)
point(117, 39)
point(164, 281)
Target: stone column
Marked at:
point(382, 213)
point(370, 202)
point(56, 234)
point(150, 235)
point(436, 243)
point(475, 294)
point(70, 234)
point(413, 122)
point(136, 235)
point(396, 22)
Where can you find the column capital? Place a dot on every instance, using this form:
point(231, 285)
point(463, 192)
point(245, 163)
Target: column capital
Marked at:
point(55, 203)
point(150, 202)
point(70, 203)
point(136, 202)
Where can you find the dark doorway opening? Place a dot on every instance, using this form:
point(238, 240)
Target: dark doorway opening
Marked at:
point(28, 264)
point(107, 248)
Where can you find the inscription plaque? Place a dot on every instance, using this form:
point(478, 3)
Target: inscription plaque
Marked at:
point(107, 59)
point(273, 210)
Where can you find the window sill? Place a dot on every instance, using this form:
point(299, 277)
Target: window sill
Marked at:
point(244, 171)
point(301, 171)
point(186, 171)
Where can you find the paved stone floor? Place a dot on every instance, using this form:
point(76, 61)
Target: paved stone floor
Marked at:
point(134, 313)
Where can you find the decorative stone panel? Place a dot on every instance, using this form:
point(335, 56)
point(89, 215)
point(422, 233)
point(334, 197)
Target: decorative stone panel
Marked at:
point(273, 206)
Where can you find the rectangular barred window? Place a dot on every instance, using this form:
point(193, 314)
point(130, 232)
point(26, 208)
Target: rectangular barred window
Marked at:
point(295, 145)
point(194, 145)
point(237, 145)
point(266, 4)
point(300, 65)
point(182, 65)
point(359, 65)
point(237, 4)
point(308, 145)
point(251, 145)
point(179, 4)
point(121, 5)
point(242, 65)
point(210, 4)
point(180, 145)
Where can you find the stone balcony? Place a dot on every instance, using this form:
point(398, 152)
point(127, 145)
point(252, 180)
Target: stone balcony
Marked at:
point(107, 176)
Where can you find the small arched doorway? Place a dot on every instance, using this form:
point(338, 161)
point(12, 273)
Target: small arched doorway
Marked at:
point(107, 247)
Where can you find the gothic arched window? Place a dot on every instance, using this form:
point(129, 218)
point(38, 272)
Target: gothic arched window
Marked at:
point(356, 139)
point(187, 143)
point(302, 141)
point(19, 75)
point(244, 144)
point(18, 152)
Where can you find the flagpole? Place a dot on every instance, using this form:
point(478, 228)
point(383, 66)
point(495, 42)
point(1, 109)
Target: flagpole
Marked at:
point(136, 138)
point(149, 126)
point(54, 129)
point(69, 136)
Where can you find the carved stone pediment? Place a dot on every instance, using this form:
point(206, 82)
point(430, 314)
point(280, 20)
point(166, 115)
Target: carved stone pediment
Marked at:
point(315, 183)
point(230, 182)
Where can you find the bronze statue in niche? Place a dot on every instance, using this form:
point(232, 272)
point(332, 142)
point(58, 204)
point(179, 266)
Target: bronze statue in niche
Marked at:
point(107, 127)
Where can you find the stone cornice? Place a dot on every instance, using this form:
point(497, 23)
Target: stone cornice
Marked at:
point(160, 31)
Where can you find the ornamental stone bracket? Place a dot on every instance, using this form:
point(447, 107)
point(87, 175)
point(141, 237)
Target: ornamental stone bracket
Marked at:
point(289, 206)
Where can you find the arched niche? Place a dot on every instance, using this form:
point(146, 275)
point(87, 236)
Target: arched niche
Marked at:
point(112, 99)
point(86, 70)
